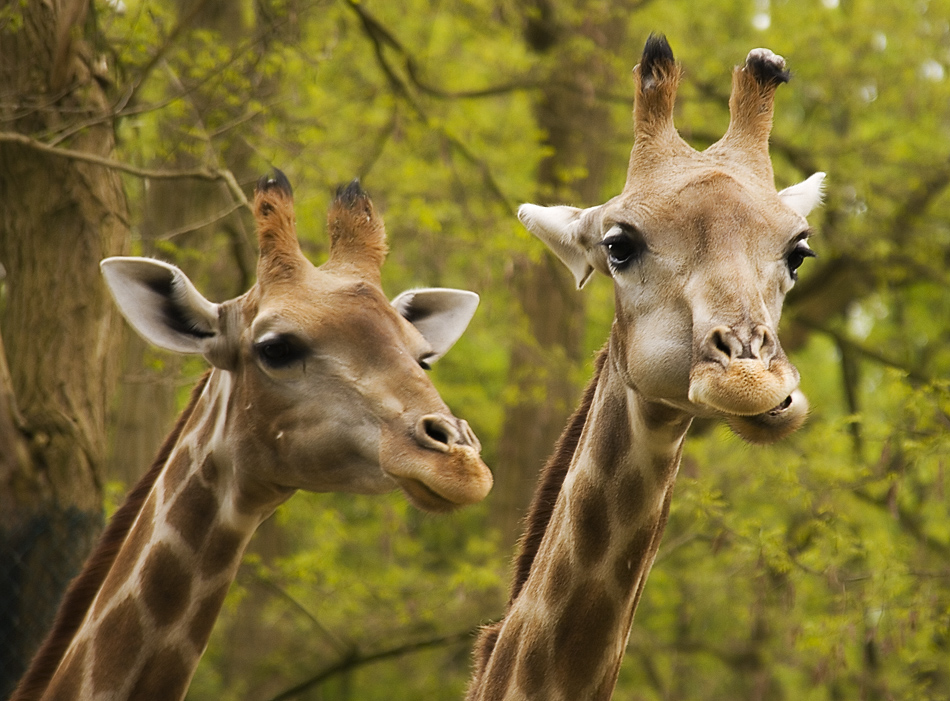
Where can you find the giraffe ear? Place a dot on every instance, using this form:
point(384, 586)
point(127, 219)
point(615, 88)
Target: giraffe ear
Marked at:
point(806, 195)
point(562, 229)
point(162, 304)
point(440, 314)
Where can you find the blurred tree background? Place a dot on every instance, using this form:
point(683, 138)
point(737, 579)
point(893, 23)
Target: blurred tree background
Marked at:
point(818, 568)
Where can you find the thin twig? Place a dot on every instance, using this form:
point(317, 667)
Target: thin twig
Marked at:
point(354, 660)
point(212, 175)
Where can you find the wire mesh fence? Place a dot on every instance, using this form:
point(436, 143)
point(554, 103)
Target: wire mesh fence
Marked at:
point(37, 561)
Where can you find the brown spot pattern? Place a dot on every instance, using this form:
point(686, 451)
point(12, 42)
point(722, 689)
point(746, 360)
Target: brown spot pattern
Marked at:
point(503, 662)
point(117, 643)
point(611, 443)
point(657, 415)
point(535, 667)
point(165, 676)
point(591, 524)
point(665, 468)
point(221, 549)
point(581, 638)
point(129, 554)
point(631, 491)
point(206, 429)
point(193, 512)
point(166, 585)
point(558, 579)
point(209, 470)
point(630, 564)
point(199, 630)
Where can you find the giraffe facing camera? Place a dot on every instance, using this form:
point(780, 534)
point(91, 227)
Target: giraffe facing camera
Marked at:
point(318, 382)
point(702, 250)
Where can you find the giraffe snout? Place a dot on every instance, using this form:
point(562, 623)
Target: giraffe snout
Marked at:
point(741, 371)
point(724, 345)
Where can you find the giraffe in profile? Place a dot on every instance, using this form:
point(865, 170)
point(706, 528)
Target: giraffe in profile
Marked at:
point(702, 250)
point(318, 382)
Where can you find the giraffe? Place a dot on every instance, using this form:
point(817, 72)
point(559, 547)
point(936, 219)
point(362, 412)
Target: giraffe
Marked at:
point(702, 250)
point(317, 382)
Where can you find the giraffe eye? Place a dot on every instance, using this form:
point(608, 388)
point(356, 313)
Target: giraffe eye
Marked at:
point(625, 245)
point(796, 257)
point(280, 350)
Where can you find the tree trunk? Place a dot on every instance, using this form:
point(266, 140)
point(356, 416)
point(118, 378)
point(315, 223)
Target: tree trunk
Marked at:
point(543, 366)
point(58, 219)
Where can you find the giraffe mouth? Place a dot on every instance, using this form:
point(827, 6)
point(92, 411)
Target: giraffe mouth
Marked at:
point(424, 497)
point(781, 408)
point(745, 387)
point(774, 424)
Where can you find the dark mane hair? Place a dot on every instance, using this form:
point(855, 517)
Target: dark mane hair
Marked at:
point(82, 590)
point(549, 486)
point(539, 516)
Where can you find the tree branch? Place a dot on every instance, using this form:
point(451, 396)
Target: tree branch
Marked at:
point(354, 660)
point(212, 175)
point(909, 522)
point(379, 37)
point(382, 36)
point(846, 343)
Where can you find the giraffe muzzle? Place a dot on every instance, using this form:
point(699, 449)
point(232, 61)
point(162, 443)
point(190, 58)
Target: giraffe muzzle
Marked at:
point(439, 468)
point(742, 374)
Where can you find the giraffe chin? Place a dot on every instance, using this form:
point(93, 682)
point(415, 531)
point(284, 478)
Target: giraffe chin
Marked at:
point(425, 499)
point(443, 492)
point(775, 424)
point(761, 404)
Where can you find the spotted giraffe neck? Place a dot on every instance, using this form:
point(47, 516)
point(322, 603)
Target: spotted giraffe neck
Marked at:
point(147, 607)
point(584, 563)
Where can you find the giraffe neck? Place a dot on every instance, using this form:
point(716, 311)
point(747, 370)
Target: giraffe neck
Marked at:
point(568, 623)
point(148, 623)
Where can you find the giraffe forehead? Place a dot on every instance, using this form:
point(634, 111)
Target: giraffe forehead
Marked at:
point(323, 302)
point(703, 210)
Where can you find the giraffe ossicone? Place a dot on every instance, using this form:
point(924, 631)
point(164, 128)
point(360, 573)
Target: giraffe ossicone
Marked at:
point(318, 382)
point(702, 249)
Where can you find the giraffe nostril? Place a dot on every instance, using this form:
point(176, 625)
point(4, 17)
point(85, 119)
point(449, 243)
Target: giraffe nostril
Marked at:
point(436, 432)
point(720, 343)
point(721, 346)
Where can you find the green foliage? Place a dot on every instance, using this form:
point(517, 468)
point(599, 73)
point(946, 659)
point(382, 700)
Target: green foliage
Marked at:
point(814, 569)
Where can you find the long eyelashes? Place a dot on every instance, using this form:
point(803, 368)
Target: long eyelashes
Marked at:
point(797, 256)
point(624, 246)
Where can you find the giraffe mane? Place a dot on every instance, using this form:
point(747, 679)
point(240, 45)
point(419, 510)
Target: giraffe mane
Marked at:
point(539, 514)
point(552, 478)
point(82, 590)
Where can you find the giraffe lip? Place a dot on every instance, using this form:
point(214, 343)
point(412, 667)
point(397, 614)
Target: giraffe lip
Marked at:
point(747, 387)
point(781, 408)
point(423, 496)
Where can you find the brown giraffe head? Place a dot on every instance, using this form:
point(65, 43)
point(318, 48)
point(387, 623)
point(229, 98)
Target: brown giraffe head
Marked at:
point(327, 382)
point(702, 249)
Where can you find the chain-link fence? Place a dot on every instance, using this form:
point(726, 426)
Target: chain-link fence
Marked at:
point(37, 561)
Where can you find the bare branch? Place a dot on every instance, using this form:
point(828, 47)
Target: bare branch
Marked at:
point(845, 343)
point(354, 660)
point(380, 37)
point(212, 175)
point(194, 226)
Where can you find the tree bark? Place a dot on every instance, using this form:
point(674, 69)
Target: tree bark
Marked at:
point(544, 364)
point(58, 219)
